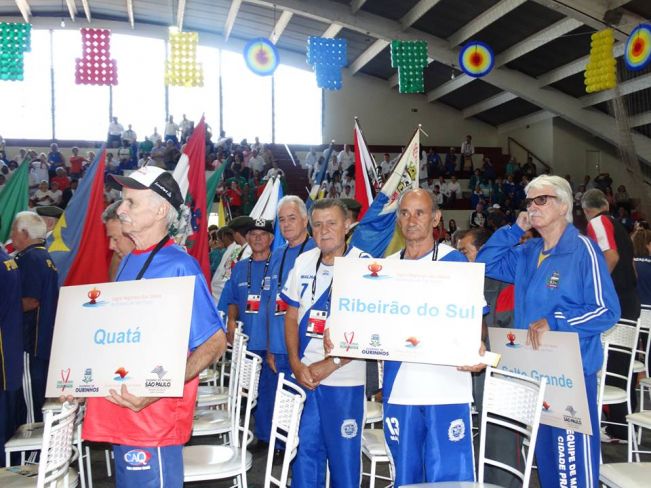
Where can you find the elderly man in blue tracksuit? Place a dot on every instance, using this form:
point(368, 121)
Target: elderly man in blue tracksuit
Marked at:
point(561, 284)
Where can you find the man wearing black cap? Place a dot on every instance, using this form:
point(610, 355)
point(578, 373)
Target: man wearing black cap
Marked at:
point(234, 253)
point(242, 296)
point(153, 430)
point(51, 215)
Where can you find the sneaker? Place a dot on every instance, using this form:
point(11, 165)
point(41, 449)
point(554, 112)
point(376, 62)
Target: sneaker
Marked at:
point(608, 439)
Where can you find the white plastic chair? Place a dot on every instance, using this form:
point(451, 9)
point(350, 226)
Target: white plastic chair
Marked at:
point(57, 452)
point(288, 407)
point(374, 447)
point(630, 474)
point(29, 438)
point(214, 395)
point(512, 401)
point(209, 462)
point(622, 338)
point(374, 410)
point(642, 351)
point(210, 421)
point(645, 325)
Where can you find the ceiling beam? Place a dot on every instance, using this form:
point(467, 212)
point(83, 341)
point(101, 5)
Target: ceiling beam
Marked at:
point(525, 121)
point(86, 9)
point(640, 119)
point(72, 9)
point(625, 88)
point(332, 30)
point(280, 26)
point(483, 20)
point(132, 19)
point(180, 14)
point(416, 12)
point(573, 67)
point(25, 11)
point(355, 5)
point(364, 58)
point(230, 18)
point(448, 87)
point(521, 85)
point(592, 12)
point(489, 103)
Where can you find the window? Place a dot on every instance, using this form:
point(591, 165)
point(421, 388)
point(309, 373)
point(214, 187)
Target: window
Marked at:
point(297, 106)
point(139, 97)
point(80, 111)
point(26, 105)
point(246, 99)
point(194, 101)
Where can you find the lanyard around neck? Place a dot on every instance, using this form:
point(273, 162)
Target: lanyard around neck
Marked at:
point(264, 273)
point(282, 262)
point(435, 252)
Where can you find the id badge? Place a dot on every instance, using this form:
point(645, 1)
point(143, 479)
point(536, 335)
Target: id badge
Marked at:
point(252, 303)
point(316, 323)
point(281, 306)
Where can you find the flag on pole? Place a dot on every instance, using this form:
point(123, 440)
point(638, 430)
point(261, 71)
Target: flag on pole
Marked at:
point(14, 198)
point(221, 214)
point(365, 171)
point(377, 233)
point(279, 240)
point(315, 192)
point(190, 174)
point(78, 244)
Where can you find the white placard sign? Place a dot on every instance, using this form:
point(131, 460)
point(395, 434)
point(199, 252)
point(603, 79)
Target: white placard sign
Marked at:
point(132, 333)
point(404, 310)
point(558, 359)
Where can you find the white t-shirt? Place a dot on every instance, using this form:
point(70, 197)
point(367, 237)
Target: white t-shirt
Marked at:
point(346, 159)
point(171, 129)
point(298, 293)
point(431, 384)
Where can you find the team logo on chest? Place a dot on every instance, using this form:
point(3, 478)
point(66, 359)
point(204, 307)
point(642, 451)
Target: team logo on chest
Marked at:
point(553, 280)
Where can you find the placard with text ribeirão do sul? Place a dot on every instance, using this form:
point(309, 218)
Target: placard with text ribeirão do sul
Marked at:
point(402, 310)
point(132, 333)
point(558, 359)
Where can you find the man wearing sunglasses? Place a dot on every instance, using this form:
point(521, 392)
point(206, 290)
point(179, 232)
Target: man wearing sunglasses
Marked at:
point(561, 284)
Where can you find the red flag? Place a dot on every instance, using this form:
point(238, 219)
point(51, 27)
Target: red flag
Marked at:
point(79, 246)
point(197, 243)
point(363, 162)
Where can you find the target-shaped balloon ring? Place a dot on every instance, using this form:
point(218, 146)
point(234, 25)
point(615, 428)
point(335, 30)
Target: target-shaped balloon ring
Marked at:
point(476, 59)
point(261, 56)
point(637, 52)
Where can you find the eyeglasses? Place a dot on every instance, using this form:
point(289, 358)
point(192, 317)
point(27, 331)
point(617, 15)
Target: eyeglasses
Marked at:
point(540, 200)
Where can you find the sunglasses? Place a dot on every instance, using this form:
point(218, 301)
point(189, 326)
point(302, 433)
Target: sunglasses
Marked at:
point(540, 200)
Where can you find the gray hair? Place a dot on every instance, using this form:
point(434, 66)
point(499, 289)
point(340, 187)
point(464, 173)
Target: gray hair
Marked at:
point(594, 199)
point(435, 205)
point(326, 203)
point(111, 212)
point(31, 223)
point(294, 200)
point(172, 215)
point(561, 187)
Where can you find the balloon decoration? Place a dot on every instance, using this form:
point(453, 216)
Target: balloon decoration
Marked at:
point(410, 57)
point(261, 56)
point(182, 69)
point(601, 70)
point(15, 40)
point(476, 59)
point(637, 53)
point(96, 66)
point(327, 56)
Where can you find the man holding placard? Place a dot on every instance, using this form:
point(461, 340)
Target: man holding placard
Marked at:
point(148, 433)
point(561, 284)
point(428, 426)
point(333, 416)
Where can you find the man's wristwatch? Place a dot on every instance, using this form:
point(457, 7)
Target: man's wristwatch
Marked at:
point(336, 360)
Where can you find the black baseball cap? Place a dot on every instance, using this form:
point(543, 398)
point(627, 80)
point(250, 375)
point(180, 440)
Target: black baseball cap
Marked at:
point(155, 179)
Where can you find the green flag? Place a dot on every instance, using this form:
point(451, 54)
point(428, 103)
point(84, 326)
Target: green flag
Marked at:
point(14, 198)
point(211, 185)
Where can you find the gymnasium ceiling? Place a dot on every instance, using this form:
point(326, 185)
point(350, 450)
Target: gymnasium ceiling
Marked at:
point(541, 46)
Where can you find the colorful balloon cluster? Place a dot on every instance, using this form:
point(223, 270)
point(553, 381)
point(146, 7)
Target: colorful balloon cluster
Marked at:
point(261, 56)
point(182, 69)
point(328, 56)
point(601, 70)
point(96, 66)
point(15, 40)
point(637, 53)
point(410, 57)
